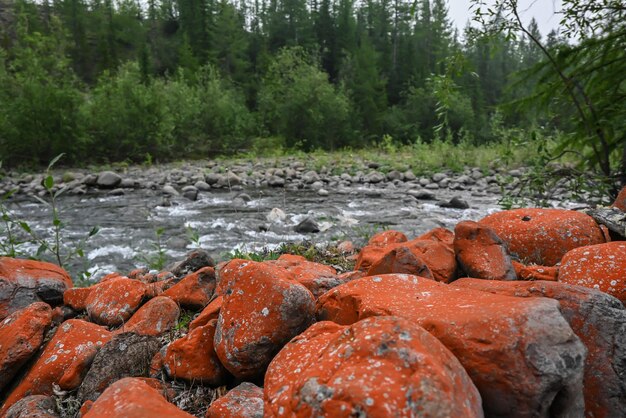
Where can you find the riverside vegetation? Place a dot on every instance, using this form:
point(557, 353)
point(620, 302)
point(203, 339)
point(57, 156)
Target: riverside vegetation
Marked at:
point(115, 81)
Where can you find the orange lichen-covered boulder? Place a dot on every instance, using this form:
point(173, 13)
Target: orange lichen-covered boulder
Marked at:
point(620, 200)
point(599, 320)
point(439, 234)
point(378, 367)
point(195, 290)
point(316, 277)
point(64, 360)
point(522, 355)
point(23, 282)
point(115, 300)
point(21, 335)
point(193, 357)
point(156, 317)
point(534, 272)
point(438, 256)
point(543, 236)
point(601, 267)
point(76, 297)
point(263, 308)
point(227, 272)
point(212, 311)
point(481, 253)
point(34, 406)
point(133, 398)
point(400, 260)
point(385, 238)
point(243, 401)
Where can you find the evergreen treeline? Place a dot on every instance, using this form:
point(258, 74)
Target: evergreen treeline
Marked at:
point(112, 80)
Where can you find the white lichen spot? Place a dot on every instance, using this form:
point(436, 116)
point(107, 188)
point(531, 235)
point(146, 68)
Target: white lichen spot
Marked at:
point(265, 311)
point(377, 279)
point(369, 401)
point(51, 359)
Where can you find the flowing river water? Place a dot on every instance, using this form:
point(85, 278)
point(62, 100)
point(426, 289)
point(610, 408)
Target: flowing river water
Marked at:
point(221, 221)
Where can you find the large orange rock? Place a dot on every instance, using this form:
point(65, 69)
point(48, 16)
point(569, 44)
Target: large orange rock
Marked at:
point(378, 367)
point(534, 272)
point(601, 267)
point(481, 253)
point(316, 277)
point(385, 238)
point(543, 236)
point(21, 335)
point(133, 398)
point(195, 290)
point(263, 308)
point(439, 234)
point(599, 320)
point(23, 282)
point(34, 406)
point(64, 360)
point(400, 260)
point(212, 311)
point(243, 401)
point(114, 301)
point(522, 355)
point(156, 317)
point(76, 297)
point(436, 255)
point(193, 357)
point(226, 273)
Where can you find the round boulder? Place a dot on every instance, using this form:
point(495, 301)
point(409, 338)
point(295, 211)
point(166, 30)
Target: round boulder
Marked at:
point(543, 236)
point(378, 367)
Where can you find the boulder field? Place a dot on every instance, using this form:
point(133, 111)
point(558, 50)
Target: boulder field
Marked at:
point(520, 314)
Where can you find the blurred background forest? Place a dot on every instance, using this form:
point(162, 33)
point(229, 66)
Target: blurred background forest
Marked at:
point(105, 81)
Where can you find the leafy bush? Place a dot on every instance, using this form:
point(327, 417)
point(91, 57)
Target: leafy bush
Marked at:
point(39, 102)
point(127, 119)
point(297, 101)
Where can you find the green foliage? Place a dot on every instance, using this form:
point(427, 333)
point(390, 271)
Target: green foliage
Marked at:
point(125, 118)
point(157, 258)
point(297, 102)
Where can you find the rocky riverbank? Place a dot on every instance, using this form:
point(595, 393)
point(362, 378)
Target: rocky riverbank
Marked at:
point(190, 178)
point(520, 314)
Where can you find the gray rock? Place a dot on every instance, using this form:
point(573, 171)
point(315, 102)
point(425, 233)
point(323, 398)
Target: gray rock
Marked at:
point(127, 184)
point(317, 185)
point(117, 192)
point(194, 261)
point(310, 177)
point(308, 225)
point(190, 192)
point(375, 177)
point(437, 177)
point(229, 180)
point(394, 175)
point(245, 197)
point(455, 203)
point(33, 406)
point(90, 180)
point(108, 179)
point(322, 192)
point(126, 355)
point(346, 177)
point(409, 176)
point(202, 185)
point(432, 186)
point(421, 194)
point(424, 181)
point(212, 178)
point(465, 179)
point(276, 181)
point(168, 189)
